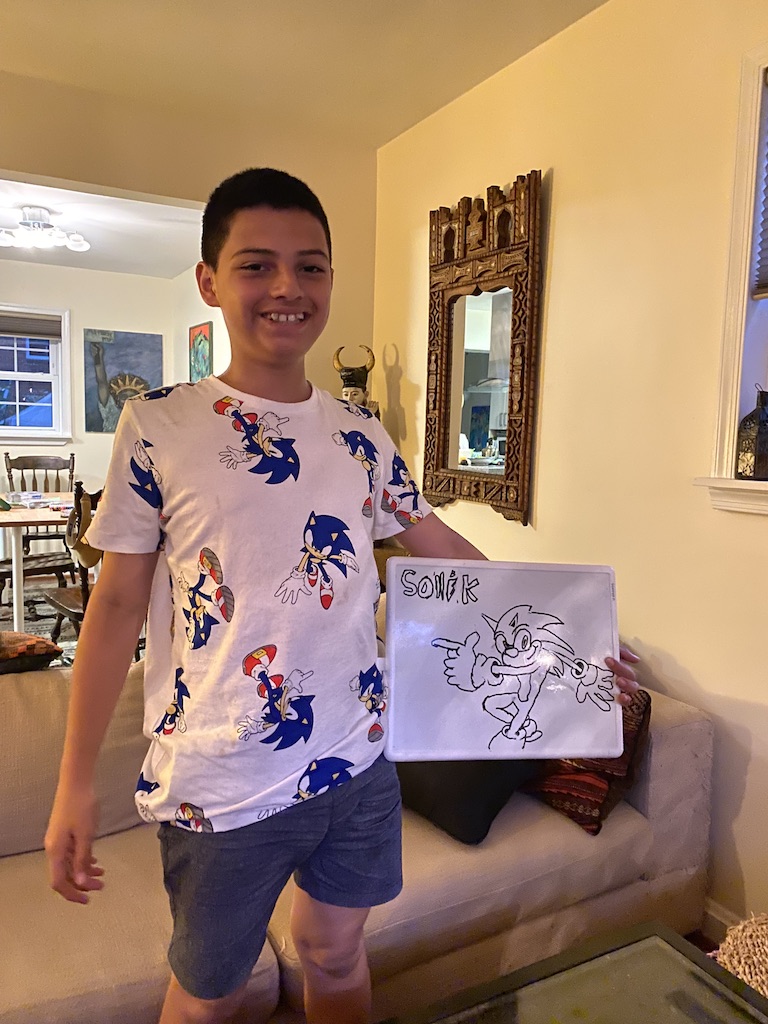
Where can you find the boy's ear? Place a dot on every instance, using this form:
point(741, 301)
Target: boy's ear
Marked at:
point(206, 284)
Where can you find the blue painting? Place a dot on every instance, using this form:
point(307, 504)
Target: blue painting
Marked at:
point(478, 426)
point(118, 366)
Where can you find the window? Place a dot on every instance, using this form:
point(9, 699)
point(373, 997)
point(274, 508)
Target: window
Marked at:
point(760, 241)
point(34, 375)
point(754, 356)
point(744, 360)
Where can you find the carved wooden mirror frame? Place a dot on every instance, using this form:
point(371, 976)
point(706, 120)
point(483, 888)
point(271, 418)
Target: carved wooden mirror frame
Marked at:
point(473, 250)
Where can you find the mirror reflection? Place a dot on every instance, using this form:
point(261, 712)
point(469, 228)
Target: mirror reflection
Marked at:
point(481, 330)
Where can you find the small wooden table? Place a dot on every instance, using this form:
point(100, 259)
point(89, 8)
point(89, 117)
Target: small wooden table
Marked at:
point(16, 521)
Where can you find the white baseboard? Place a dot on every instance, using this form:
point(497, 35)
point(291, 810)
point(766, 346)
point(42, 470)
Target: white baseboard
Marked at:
point(717, 921)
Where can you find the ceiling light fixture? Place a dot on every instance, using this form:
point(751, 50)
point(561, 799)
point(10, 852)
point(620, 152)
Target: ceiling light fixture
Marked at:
point(35, 231)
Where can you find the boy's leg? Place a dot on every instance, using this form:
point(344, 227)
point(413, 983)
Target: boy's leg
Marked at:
point(329, 942)
point(182, 1008)
point(357, 865)
point(222, 888)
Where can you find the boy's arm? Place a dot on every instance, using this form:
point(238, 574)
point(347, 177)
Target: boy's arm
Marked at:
point(116, 611)
point(431, 538)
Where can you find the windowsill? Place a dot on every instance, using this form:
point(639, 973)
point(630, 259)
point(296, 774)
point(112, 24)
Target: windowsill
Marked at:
point(736, 495)
point(36, 439)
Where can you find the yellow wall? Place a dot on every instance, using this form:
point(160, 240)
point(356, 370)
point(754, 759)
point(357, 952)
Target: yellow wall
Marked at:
point(64, 133)
point(631, 115)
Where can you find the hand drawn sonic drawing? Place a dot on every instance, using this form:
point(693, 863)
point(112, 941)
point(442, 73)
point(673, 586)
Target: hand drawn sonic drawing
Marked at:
point(530, 651)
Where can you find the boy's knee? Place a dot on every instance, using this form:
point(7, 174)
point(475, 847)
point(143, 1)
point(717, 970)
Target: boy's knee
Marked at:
point(336, 958)
point(183, 1008)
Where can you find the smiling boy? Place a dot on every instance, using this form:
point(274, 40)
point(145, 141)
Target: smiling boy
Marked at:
point(262, 762)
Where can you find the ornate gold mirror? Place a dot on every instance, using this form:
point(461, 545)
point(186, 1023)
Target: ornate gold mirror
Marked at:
point(482, 357)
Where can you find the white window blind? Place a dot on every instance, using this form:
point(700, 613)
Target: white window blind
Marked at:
point(760, 244)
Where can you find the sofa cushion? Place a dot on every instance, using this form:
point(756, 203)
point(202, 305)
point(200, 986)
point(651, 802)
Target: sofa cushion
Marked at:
point(36, 704)
point(462, 797)
point(587, 789)
point(23, 652)
point(533, 861)
point(63, 963)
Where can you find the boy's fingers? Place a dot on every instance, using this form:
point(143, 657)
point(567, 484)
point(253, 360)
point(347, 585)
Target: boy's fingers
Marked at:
point(82, 862)
point(59, 871)
point(618, 667)
point(71, 893)
point(96, 869)
point(621, 670)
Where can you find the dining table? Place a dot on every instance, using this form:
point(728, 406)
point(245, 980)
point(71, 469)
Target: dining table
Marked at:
point(18, 519)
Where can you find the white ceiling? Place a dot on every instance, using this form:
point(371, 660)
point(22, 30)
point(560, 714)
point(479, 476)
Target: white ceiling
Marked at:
point(361, 69)
point(127, 236)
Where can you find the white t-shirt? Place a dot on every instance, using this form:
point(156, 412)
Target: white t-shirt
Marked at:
point(261, 682)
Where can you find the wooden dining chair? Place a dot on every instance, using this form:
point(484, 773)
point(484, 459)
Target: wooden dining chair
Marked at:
point(71, 602)
point(47, 474)
point(44, 473)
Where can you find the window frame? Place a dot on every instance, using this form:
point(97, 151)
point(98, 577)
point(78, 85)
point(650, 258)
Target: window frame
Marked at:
point(61, 431)
point(726, 492)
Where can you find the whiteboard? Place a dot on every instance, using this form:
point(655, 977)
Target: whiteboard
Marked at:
point(500, 660)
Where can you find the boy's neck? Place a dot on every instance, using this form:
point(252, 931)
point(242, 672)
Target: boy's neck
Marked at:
point(279, 385)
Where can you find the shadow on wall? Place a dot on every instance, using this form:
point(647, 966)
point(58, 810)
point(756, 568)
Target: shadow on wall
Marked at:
point(737, 725)
point(396, 403)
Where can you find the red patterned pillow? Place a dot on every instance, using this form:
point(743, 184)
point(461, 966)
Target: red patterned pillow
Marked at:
point(586, 790)
point(23, 652)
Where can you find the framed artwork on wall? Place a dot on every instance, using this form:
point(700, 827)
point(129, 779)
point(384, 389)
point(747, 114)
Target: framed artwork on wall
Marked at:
point(200, 351)
point(118, 365)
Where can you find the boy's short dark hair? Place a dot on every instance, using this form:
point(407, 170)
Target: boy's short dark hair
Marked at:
point(257, 186)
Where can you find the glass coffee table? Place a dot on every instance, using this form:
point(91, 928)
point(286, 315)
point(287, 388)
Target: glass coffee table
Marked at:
point(642, 975)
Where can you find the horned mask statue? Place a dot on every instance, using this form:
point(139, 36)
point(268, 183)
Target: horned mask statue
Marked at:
point(354, 380)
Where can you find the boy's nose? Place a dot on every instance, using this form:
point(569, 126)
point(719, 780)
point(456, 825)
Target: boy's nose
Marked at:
point(286, 284)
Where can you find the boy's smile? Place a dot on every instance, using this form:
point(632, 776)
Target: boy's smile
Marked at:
point(273, 284)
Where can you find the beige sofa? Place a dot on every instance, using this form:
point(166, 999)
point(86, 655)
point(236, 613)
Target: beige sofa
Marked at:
point(536, 885)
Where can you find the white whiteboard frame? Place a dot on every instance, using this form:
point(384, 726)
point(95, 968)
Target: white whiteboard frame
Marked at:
point(465, 712)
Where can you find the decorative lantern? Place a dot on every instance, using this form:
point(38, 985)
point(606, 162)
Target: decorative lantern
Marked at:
point(752, 441)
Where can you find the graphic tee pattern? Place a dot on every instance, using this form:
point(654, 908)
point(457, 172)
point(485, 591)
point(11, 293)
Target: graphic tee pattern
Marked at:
point(262, 687)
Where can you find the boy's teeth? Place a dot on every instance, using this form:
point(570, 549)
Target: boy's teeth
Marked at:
point(284, 318)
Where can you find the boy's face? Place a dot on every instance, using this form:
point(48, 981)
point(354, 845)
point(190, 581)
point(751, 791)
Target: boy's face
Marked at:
point(273, 284)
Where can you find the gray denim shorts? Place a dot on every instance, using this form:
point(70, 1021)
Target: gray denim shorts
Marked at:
point(342, 847)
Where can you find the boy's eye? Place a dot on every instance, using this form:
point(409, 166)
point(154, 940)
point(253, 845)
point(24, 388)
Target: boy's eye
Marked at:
point(313, 268)
point(253, 266)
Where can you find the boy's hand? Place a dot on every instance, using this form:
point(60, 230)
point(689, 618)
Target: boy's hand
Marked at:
point(72, 868)
point(624, 675)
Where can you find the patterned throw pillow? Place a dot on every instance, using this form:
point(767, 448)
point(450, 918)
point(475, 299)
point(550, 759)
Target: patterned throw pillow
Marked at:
point(586, 790)
point(22, 652)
